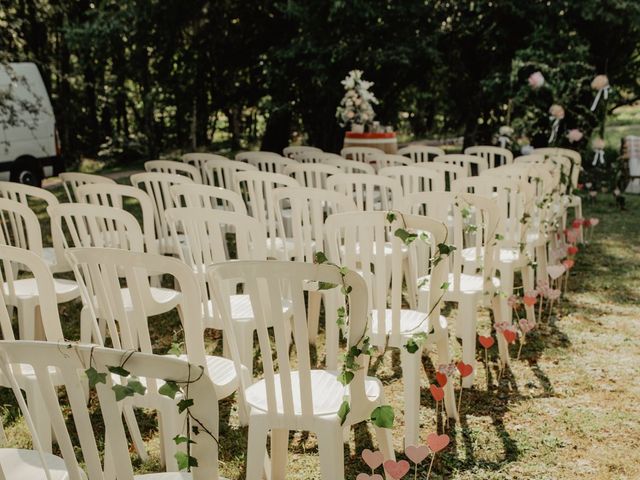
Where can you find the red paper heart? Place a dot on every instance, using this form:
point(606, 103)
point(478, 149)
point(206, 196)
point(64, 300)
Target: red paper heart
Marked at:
point(416, 453)
point(509, 336)
point(486, 342)
point(577, 223)
point(441, 378)
point(397, 469)
point(366, 476)
point(572, 250)
point(437, 442)
point(437, 392)
point(530, 300)
point(373, 459)
point(568, 264)
point(465, 369)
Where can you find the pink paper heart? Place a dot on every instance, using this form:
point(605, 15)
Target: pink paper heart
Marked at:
point(556, 271)
point(372, 459)
point(397, 469)
point(416, 453)
point(366, 476)
point(594, 221)
point(437, 442)
point(572, 236)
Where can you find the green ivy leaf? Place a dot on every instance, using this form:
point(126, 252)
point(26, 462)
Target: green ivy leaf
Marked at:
point(184, 404)
point(445, 286)
point(137, 387)
point(178, 439)
point(95, 377)
point(176, 349)
point(382, 416)
point(391, 216)
point(405, 236)
point(345, 377)
point(122, 392)
point(411, 346)
point(499, 237)
point(343, 411)
point(326, 285)
point(169, 389)
point(118, 370)
point(320, 257)
point(185, 461)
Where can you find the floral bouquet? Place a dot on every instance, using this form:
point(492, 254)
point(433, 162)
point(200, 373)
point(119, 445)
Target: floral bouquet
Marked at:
point(356, 105)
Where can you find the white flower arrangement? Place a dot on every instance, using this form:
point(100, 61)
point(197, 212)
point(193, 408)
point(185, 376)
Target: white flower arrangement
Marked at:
point(356, 105)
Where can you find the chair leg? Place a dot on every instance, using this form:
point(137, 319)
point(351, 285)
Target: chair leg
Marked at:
point(314, 315)
point(39, 414)
point(244, 340)
point(412, 287)
point(279, 453)
point(541, 260)
point(506, 312)
point(444, 357)
point(411, 380)
point(527, 284)
point(257, 448)
point(26, 320)
point(170, 424)
point(468, 319)
point(332, 332)
point(134, 431)
point(331, 451)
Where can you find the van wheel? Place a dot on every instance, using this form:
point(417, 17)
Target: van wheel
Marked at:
point(27, 171)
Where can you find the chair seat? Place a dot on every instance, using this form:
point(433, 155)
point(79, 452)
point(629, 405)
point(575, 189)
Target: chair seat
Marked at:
point(241, 310)
point(507, 255)
point(222, 372)
point(469, 284)
point(328, 393)
point(27, 288)
point(167, 476)
point(165, 299)
point(411, 321)
point(18, 463)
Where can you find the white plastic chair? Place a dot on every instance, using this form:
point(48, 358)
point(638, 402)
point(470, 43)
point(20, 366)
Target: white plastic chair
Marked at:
point(72, 360)
point(312, 175)
point(359, 241)
point(468, 162)
point(99, 272)
point(72, 180)
point(349, 166)
point(292, 395)
point(19, 227)
point(496, 156)
point(451, 172)
point(421, 153)
point(311, 156)
point(35, 197)
point(415, 179)
point(468, 289)
point(529, 158)
point(219, 172)
point(383, 160)
point(271, 163)
point(370, 192)
point(257, 188)
point(199, 160)
point(206, 196)
point(292, 150)
point(176, 168)
point(158, 186)
point(124, 197)
point(359, 154)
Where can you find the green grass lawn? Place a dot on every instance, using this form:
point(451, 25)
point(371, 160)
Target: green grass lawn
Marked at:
point(567, 409)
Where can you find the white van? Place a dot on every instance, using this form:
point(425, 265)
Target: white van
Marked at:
point(29, 143)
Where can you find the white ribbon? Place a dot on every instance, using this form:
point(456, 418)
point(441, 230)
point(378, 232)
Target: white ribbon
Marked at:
point(598, 155)
point(504, 141)
point(604, 92)
point(554, 129)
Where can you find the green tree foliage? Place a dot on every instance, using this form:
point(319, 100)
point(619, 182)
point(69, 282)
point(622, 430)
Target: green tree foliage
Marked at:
point(133, 78)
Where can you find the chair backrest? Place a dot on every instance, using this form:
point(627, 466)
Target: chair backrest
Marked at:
point(158, 186)
point(87, 225)
point(359, 154)
point(421, 153)
point(514, 200)
point(416, 179)
point(207, 196)
point(450, 171)
point(474, 223)
point(382, 160)
point(557, 151)
point(292, 150)
point(361, 240)
point(219, 172)
point(72, 180)
point(311, 156)
point(312, 175)
point(309, 209)
point(206, 235)
point(20, 226)
point(370, 192)
point(178, 168)
point(125, 197)
point(267, 283)
point(257, 189)
point(529, 158)
point(349, 166)
point(199, 160)
point(29, 262)
point(474, 165)
point(71, 361)
point(34, 197)
point(270, 163)
point(101, 273)
point(496, 156)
